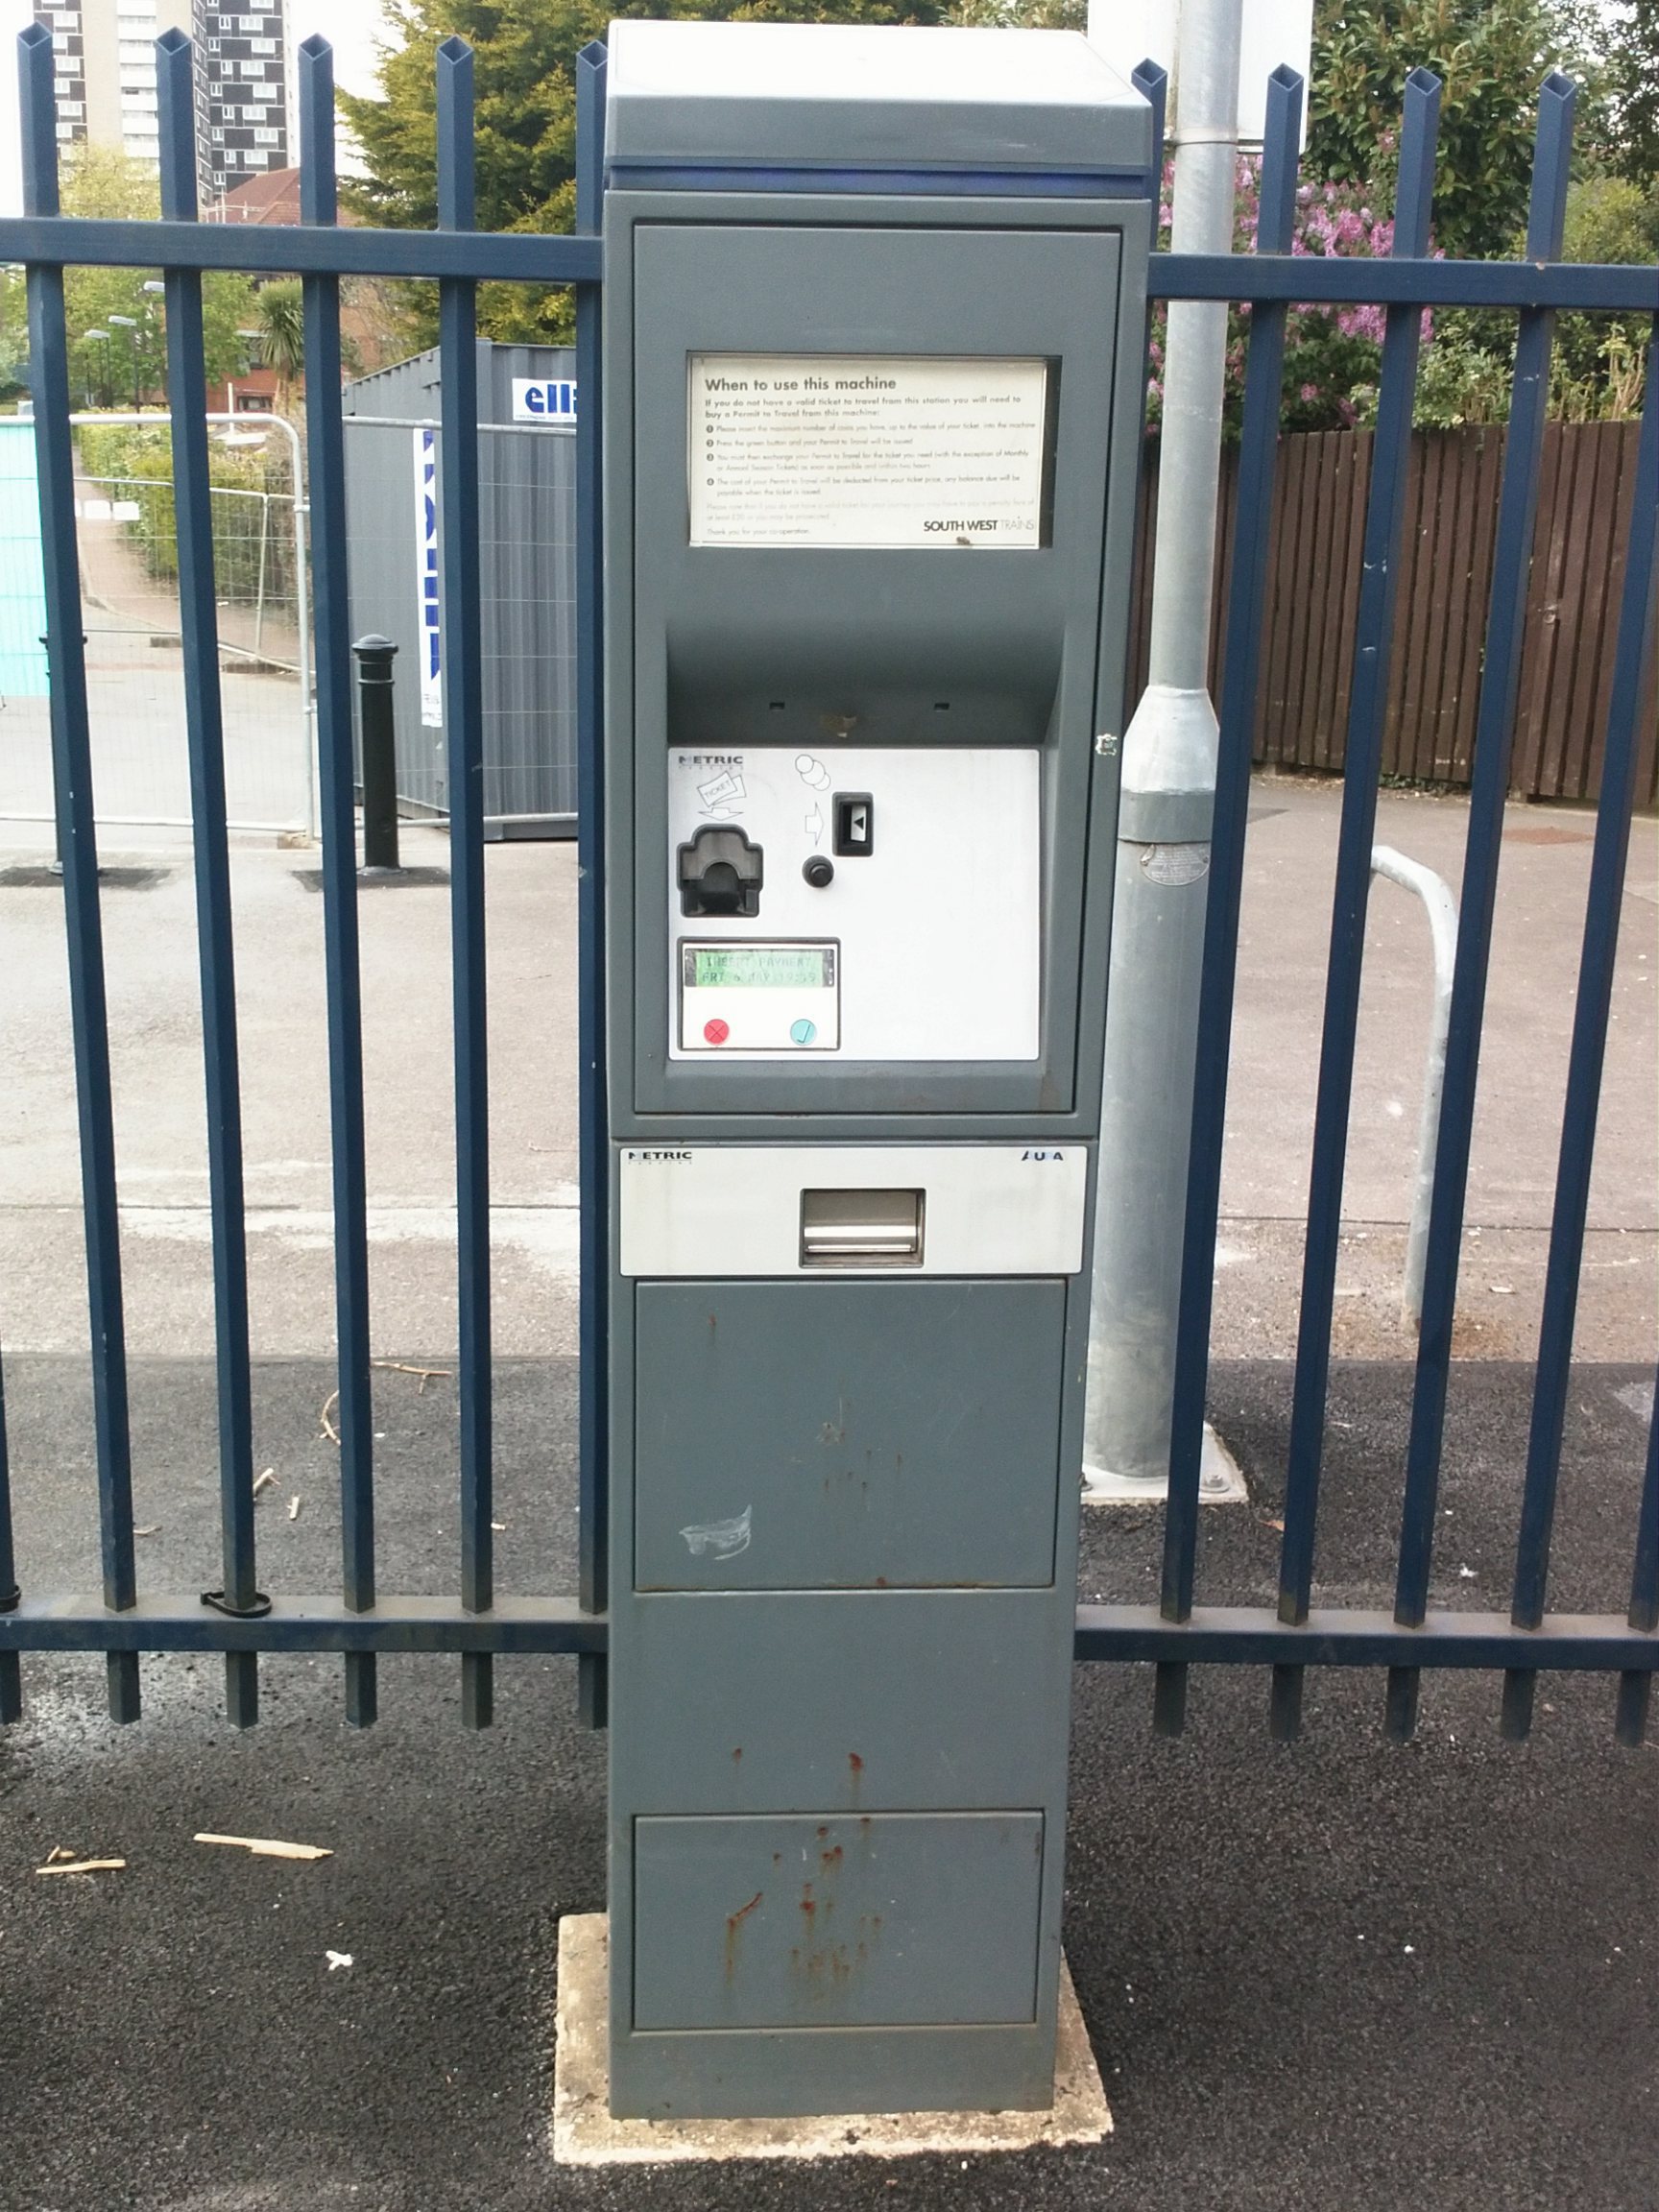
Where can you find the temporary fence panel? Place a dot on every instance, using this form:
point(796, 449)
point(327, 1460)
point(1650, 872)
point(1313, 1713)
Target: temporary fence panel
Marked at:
point(126, 528)
point(241, 1620)
point(22, 600)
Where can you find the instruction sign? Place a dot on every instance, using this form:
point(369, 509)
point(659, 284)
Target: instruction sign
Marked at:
point(866, 450)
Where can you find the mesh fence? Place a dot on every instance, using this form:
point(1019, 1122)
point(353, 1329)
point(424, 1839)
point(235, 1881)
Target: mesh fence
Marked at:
point(135, 663)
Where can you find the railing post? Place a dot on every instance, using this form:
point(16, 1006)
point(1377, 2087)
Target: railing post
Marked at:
point(373, 656)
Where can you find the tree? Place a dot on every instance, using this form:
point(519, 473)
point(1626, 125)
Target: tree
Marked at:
point(1490, 55)
point(1019, 14)
point(1633, 90)
point(279, 318)
point(99, 181)
point(525, 123)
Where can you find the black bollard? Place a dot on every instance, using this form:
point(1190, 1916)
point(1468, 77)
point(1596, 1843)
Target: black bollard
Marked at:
point(379, 751)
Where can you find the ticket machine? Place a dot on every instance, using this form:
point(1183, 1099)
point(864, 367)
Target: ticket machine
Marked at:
point(874, 361)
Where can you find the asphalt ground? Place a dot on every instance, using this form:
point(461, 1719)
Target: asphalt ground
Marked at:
point(1338, 1973)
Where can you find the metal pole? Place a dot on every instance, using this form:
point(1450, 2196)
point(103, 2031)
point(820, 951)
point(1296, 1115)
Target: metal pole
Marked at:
point(1169, 789)
point(1441, 906)
point(373, 657)
point(259, 601)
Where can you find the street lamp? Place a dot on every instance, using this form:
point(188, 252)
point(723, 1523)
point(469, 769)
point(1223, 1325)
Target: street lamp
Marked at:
point(154, 291)
point(129, 324)
point(108, 386)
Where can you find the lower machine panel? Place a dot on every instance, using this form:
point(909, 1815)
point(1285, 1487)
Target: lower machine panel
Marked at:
point(847, 1435)
point(887, 1919)
point(848, 1401)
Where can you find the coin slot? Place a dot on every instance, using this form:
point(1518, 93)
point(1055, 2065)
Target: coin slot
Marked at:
point(855, 816)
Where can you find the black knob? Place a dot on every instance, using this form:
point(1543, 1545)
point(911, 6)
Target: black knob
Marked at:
point(819, 871)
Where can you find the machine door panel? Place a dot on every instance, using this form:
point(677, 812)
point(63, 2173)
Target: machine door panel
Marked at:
point(850, 1435)
point(891, 1920)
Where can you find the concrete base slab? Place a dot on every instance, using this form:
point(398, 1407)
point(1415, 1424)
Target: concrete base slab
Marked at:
point(1220, 1480)
point(585, 2133)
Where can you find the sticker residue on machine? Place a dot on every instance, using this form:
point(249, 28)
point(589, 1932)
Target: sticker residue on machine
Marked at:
point(866, 450)
point(719, 1539)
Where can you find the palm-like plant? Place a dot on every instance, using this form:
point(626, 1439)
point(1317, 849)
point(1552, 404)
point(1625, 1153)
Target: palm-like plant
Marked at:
point(280, 316)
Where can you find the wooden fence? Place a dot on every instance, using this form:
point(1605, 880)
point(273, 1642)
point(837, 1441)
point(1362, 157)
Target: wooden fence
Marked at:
point(1582, 531)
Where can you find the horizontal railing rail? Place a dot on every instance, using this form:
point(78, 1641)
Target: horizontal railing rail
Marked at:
point(67, 241)
point(1212, 1635)
point(239, 1619)
point(282, 248)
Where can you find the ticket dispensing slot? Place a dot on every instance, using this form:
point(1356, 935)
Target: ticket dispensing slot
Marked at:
point(862, 1228)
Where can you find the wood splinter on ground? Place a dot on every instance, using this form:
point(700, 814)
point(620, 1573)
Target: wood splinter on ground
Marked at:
point(328, 1429)
point(426, 1374)
point(294, 1508)
point(64, 1864)
point(264, 1480)
point(268, 1846)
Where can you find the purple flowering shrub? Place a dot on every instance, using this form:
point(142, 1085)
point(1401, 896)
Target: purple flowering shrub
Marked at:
point(1332, 354)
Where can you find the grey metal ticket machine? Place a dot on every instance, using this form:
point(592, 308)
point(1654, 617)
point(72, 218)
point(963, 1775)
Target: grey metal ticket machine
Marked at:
point(873, 348)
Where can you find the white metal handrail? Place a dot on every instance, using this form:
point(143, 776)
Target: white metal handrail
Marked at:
point(1441, 906)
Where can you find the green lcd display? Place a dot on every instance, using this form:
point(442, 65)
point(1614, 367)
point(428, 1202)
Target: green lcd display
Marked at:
point(759, 967)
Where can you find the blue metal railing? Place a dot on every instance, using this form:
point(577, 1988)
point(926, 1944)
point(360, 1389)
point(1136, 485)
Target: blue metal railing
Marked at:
point(325, 459)
point(238, 1619)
